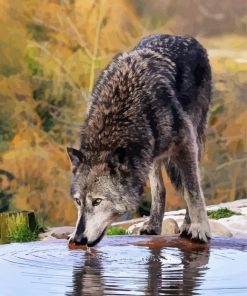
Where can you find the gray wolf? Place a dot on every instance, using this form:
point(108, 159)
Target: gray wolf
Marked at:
point(148, 107)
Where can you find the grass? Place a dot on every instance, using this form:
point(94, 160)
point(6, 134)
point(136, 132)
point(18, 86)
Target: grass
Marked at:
point(40, 226)
point(22, 233)
point(114, 230)
point(221, 213)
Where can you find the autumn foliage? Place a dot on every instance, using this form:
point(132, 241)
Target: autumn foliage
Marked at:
point(51, 53)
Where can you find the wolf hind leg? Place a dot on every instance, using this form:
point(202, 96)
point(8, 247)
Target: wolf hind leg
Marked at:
point(158, 193)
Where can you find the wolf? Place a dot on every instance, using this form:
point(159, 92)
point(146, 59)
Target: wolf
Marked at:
point(148, 108)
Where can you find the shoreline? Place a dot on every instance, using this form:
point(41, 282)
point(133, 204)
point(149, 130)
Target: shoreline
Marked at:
point(234, 226)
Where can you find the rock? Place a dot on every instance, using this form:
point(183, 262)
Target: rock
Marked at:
point(135, 228)
point(127, 223)
point(62, 232)
point(237, 225)
point(57, 233)
point(218, 229)
point(178, 218)
point(234, 226)
point(46, 236)
point(169, 227)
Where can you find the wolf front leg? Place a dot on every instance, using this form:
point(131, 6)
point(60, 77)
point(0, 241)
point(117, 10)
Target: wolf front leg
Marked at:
point(158, 193)
point(186, 223)
point(196, 225)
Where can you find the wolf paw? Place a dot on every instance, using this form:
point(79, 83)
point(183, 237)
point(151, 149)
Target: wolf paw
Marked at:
point(184, 230)
point(196, 231)
point(149, 230)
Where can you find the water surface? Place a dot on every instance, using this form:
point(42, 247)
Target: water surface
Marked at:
point(125, 265)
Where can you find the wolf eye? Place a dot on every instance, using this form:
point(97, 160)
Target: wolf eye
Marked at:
point(77, 200)
point(96, 202)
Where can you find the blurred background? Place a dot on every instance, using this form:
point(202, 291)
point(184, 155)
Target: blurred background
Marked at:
point(51, 53)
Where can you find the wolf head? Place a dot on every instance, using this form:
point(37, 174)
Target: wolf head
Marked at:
point(102, 191)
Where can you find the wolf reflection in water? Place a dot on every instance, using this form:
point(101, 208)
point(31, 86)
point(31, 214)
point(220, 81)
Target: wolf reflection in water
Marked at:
point(158, 271)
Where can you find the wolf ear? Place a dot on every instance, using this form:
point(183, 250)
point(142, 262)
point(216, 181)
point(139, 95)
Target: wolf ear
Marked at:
point(75, 156)
point(118, 160)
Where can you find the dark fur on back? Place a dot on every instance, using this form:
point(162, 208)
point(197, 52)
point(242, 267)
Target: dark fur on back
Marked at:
point(143, 104)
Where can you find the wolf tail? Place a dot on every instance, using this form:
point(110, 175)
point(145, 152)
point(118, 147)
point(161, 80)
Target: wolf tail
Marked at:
point(174, 174)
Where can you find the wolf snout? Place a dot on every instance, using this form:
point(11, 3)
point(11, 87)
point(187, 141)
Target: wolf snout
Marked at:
point(80, 239)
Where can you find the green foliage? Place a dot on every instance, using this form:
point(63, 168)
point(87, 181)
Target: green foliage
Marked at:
point(38, 32)
point(114, 230)
point(30, 59)
point(7, 126)
point(22, 233)
point(40, 226)
point(5, 193)
point(221, 213)
point(5, 198)
point(19, 227)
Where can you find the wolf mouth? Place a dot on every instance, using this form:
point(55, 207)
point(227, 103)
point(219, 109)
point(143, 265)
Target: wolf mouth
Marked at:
point(91, 244)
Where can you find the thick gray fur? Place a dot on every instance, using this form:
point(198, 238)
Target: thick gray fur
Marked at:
point(149, 106)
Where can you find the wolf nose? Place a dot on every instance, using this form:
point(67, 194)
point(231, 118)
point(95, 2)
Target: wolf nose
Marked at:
point(80, 240)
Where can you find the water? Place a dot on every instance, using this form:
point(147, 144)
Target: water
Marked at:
point(125, 266)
